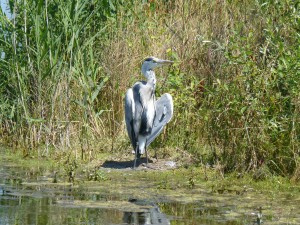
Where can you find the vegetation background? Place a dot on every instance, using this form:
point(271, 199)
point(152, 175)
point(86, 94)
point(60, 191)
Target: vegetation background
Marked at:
point(66, 64)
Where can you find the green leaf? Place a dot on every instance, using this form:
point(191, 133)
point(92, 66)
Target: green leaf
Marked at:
point(99, 87)
point(111, 5)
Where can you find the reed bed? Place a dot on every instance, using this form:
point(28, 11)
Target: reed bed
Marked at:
point(65, 67)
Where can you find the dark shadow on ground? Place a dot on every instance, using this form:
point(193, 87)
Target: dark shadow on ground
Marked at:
point(124, 164)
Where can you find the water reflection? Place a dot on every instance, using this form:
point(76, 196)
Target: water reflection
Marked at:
point(18, 209)
point(152, 216)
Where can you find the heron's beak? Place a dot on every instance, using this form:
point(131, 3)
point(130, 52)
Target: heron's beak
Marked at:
point(164, 62)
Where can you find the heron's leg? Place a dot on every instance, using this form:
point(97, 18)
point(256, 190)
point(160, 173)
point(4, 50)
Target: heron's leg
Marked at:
point(135, 155)
point(146, 156)
point(146, 153)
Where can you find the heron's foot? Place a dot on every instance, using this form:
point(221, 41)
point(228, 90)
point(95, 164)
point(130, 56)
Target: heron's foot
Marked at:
point(137, 160)
point(145, 165)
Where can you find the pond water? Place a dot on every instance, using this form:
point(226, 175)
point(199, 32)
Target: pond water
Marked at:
point(30, 197)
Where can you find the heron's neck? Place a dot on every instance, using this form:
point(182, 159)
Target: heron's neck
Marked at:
point(150, 75)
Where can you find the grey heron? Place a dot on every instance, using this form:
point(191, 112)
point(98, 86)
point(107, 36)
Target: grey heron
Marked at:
point(145, 117)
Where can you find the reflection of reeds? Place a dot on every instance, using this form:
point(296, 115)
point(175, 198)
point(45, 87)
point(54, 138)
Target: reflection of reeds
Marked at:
point(235, 85)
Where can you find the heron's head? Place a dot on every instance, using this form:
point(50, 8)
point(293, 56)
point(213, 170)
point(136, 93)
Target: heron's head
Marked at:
point(152, 62)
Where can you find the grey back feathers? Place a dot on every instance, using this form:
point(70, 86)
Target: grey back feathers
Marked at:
point(163, 114)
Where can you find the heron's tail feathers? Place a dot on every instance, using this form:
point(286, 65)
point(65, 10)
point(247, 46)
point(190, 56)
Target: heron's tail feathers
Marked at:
point(142, 144)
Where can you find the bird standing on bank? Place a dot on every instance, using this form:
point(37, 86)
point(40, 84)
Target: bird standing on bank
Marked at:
point(145, 117)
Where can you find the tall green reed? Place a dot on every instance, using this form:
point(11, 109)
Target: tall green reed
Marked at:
point(52, 53)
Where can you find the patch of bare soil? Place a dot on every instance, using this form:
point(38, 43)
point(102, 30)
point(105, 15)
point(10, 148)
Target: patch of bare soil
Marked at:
point(161, 164)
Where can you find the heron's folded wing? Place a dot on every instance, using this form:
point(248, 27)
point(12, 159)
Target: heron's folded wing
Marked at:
point(129, 115)
point(163, 114)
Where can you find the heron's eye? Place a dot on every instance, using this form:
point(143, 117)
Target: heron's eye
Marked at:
point(149, 59)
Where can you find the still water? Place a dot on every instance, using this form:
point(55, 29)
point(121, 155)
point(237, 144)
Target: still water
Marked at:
point(28, 197)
